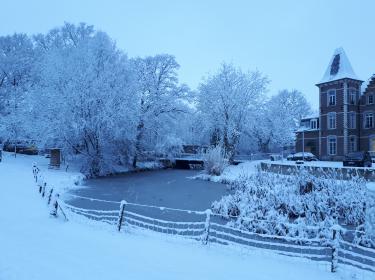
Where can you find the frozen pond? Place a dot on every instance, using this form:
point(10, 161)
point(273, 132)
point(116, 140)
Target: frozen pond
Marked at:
point(169, 188)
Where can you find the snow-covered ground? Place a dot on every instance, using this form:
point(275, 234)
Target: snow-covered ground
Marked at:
point(34, 245)
point(232, 172)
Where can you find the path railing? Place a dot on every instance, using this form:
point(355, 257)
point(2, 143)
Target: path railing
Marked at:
point(207, 227)
point(48, 192)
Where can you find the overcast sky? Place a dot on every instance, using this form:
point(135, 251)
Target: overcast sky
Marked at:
point(289, 41)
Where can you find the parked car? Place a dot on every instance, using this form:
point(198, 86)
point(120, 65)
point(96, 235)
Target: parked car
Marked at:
point(302, 156)
point(358, 159)
point(21, 147)
point(372, 155)
point(275, 157)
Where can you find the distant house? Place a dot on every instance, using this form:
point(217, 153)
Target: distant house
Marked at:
point(346, 113)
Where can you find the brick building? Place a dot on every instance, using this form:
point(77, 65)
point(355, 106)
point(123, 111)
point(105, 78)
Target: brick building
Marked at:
point(346, 114)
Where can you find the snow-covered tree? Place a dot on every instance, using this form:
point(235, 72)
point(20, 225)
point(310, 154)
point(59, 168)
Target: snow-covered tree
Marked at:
point(277, 119)
point(287, 108)
point(159, 95)
point(85, 97)
point(227, 100)
point(17, 78)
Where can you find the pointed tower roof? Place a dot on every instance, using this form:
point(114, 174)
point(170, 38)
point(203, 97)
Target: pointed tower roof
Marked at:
point(338, 68)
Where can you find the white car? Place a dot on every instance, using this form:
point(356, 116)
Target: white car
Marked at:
point(302, 156)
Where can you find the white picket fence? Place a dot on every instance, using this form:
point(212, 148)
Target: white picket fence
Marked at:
point(206, 227)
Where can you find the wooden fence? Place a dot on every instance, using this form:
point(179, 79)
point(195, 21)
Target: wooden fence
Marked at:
point(207, 227)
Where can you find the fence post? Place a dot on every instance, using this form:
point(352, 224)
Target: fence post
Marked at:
point(55, 206)
point(34, 172)
point(44, 189)
point(121, 215)
point(206, 234)
point(335, 248)
point(50, 196)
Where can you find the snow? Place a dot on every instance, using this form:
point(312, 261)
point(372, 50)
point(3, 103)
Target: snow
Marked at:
point(366, 84)
point(231, 172)
point(40, 247)
point(345, 69)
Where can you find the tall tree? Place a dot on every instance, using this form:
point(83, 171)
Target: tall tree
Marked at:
point(158, 94)
point(17, 62)
point(286, 109)
point(227, 100)
point(85, 93)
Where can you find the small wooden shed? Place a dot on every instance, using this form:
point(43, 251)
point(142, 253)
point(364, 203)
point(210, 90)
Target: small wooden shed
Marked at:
point(55, 159)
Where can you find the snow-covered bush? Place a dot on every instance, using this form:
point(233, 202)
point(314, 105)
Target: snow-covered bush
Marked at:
point(78, 179)
point(365, 233)
point(300, 205)
point(215, 160)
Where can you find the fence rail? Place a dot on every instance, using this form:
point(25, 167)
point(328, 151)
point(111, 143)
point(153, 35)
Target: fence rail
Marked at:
point(206, 227)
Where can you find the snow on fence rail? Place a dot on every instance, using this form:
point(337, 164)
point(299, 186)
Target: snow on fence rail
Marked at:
point(206, 227)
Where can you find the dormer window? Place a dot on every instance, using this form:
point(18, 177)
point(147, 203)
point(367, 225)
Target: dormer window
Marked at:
point(335, 65)
point(331, 98)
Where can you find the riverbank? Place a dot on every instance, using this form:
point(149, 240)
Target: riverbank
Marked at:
point(38, 247)
point(231, 173)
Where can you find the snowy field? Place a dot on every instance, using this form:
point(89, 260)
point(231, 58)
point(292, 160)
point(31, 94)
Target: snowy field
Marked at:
point(37, 246)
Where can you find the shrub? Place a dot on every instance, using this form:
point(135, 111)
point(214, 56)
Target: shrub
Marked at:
point(215, 161)
point(300, 205)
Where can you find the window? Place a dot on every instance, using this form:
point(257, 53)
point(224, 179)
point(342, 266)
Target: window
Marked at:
point(351, 120)
point(331, 117)
point(331, 98)
point(313, 124)
point(352, 96)
point(332, 145)
point(369, 120)
point(352, 144)
point(370, 99)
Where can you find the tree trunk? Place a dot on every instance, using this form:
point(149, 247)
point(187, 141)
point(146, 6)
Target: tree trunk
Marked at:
point(138, 142)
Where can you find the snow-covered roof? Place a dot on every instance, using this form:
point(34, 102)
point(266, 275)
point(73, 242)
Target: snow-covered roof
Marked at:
point(365, 84)
point(338, 68)
point(309, 117)
point(305, 128)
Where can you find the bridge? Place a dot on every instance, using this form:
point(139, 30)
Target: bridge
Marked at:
point(188, 161)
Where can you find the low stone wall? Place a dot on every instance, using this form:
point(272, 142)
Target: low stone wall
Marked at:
point(345, 173)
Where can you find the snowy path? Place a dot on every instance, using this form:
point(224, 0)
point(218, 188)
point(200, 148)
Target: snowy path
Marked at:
point(36, 246)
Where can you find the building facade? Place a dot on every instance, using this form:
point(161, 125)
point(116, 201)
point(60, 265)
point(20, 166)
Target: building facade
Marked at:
point(346, 114)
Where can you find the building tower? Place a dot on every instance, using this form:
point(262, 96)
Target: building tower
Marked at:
point(339, 95)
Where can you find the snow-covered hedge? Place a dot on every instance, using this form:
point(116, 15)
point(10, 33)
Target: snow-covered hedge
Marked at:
point(215, 160)
point(301, 205)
